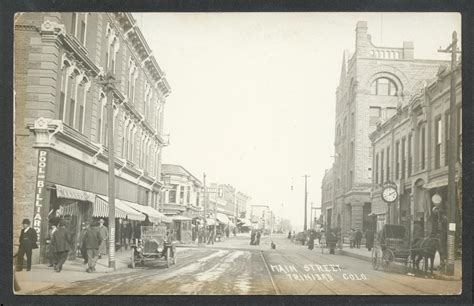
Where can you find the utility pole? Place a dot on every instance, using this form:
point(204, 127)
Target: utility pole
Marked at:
point(205, 200)
point(452, 157)
point(108, 83)
point(306, 201)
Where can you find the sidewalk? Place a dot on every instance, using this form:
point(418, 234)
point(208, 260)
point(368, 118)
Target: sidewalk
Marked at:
point(366, 255)
point(41, 277)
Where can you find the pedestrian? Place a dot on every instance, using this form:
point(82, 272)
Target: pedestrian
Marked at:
point(331, 241)
point(80, 243)
point(352, 238)
point(126, 233)
point(358, 238)
point(259, 234)
point(52, 258)
point(91, 242)
point(310, 239)
point(234, 231)
point(28, 239)
point(60, 243)
point(369, 239)
point(104, 235)
point(252, 237)
point(289, 235)
point(227, 232)
point(211, 237)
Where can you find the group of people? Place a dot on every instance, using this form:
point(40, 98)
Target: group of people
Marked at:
point(355, 238)
point(255, 237)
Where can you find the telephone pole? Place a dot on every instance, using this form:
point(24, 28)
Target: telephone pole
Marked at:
point(108, 84)
point(452, 158)
point(305, 202)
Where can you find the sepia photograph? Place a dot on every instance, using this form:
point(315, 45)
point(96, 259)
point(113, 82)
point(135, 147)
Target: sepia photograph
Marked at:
point(249, 153)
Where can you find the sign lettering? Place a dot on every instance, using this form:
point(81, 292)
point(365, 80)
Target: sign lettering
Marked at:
point(39, 194)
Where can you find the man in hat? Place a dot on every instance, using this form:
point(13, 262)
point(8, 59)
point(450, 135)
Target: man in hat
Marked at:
point(104, 235)
point(91, 241)
point(28, 238)
point(61, 244)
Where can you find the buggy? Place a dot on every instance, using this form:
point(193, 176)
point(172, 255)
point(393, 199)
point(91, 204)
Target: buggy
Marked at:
point(391, 246)
point(154, 244)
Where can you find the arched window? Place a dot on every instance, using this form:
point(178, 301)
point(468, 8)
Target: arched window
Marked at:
point(383, 87)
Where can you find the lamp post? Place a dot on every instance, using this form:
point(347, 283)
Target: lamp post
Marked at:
point(306, 201)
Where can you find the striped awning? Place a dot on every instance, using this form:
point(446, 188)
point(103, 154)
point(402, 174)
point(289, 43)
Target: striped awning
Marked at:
point(154, 215)
point(71, 209)
point(122, 211)
point(75, 194)
point(224, 219)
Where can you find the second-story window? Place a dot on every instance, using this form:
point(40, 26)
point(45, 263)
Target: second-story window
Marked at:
point(376, 176)
point(397, 160)
point(403, 158)
point(188, 195)
point(181, 195)
point(388, 163)
point(410, 155)
point(383, 87)
point(172, 194)
point(446, 138)
point(422, 147)
point(438, 141)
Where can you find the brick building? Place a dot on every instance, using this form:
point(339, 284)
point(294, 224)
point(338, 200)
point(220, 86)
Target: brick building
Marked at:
point(61, 155)
point(374, 81)
point(417, 137)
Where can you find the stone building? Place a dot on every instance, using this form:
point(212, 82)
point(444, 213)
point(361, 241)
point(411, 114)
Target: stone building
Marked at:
point(374, 82)
point(61, 145)
point(327, 199)
point(184, 194)
point(417, 137)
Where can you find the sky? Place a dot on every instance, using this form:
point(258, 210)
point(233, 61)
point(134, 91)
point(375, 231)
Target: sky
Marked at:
point(253, 94)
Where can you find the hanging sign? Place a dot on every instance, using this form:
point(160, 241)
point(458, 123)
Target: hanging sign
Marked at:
point(40, 189)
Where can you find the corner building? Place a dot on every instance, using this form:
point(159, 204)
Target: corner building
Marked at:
point(374, 81)
point(61, 146)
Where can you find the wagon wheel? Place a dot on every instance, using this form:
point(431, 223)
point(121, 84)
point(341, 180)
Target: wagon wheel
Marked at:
point(168, 257)
point(132, 264)
point(376, 258)
point(387, 258)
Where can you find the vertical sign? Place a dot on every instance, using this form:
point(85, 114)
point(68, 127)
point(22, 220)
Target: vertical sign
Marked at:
point(40, 190)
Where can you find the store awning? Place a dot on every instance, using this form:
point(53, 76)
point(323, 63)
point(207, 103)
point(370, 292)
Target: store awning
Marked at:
point(210, 221)
point(224, 219)
point(69, 210)
point(436, 184)
point(122, 211)
point(75, 194)
point(245, 222)
point(154, 215)
point(180, 218)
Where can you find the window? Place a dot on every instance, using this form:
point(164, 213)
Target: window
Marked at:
point(438, 141)
point(81, 117)
point(381, 167)
point(388, 163)
point(188, 195)
point(383, 87)
point(83, 32)
point(422, 148)
point(410, 159)
point(181, 194)
point(403, 157)
point(374, 114)
point(446, 138)
point(397, 160)
point(73, 23)
point(459, 132)
point(376, 168)
point(172, 194)
point(72, 103)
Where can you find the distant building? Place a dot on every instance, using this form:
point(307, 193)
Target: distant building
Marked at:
point(374, 82)
point(418, 140)
point(183, 193)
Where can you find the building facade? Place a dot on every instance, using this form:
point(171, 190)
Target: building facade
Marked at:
point(183, 195)
point(418, 139)
point(327, 199)
point(374, 82)
point(61, 143)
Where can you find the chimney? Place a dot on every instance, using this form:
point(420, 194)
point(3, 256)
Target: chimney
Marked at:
point(362, 40)
point(408, 50)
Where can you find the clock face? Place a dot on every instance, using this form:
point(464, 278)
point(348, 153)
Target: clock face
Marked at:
point(436, 199)
point(389, 194)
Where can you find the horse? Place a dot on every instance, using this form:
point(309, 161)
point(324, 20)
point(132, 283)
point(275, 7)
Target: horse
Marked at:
point(425, 249)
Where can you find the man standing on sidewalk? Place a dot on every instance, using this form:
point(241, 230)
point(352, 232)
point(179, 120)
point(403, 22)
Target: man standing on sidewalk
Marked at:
point(104, 236)
point(91, 242)
point(60, 244)
point(28, 238)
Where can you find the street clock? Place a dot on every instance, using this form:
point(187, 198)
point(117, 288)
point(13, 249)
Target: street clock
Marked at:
point(436, 198)
point(389, 193)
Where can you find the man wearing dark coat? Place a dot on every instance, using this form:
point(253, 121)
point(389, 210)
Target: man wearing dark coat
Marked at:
point(28, 238)
point(369, 239)
point(61, 244)
point(91, 242)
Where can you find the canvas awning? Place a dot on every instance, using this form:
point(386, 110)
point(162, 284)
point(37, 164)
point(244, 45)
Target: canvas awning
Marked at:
point(154, 215)
point(180, 218)
point(75, 194)
point(245, 222)
point(224, 219)
point(71, 209)
point(122, 211)
point(436, 184)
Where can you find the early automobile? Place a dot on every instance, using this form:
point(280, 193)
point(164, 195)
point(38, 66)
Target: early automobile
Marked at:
point(154, 245)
